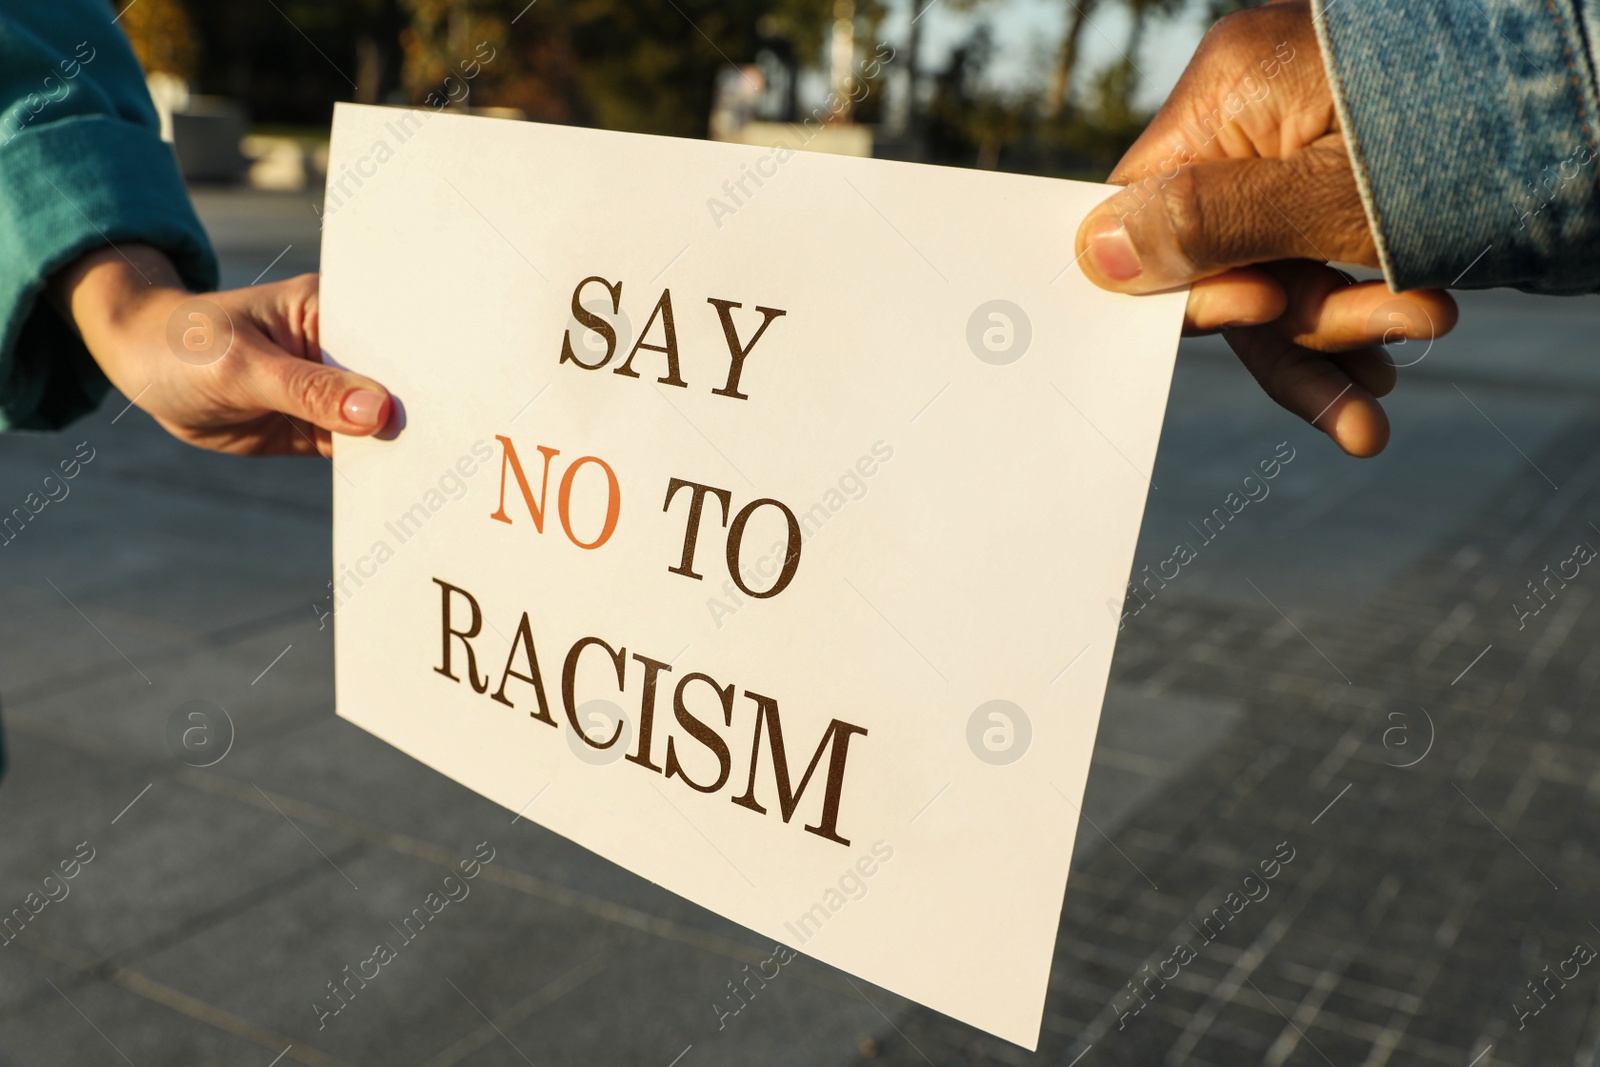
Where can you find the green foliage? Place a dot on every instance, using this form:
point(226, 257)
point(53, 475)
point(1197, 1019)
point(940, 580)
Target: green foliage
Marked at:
point(1215, 9)
point(650, 65)
point(645, 65)
point(1050, 129)
point(288, 60)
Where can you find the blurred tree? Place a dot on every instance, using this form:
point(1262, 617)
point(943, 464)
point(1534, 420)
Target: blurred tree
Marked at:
point(436, 37)
point(1111, 95)
point(968, 122)
point(1126, 76)
point(1141, 13)
point(1215, 9)
point(643, 65)
point(912, 60)
point(378, 50)
point(163, 37)
point(1066, 64)
point(287, 60)
point(647, 65)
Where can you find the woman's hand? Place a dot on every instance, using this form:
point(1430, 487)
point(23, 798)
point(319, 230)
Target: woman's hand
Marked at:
point(1242, 186)
point(238, 371)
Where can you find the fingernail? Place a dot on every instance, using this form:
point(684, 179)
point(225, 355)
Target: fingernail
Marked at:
point(364, 407)
point(1112, 251)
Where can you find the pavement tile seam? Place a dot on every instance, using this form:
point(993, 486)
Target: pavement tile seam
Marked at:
point(540, 999)
point(93, 969)
point(1294, 681)
point(816, 975)
point(1503, 693)
point(1311, 1006)
point(94, 966)
point(529, 885)
point(1239, 975)
point(259, 896)
point(1398, 1029)
point(115, 667)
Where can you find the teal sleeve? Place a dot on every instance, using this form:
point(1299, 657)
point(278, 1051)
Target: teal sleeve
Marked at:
point(82, 166)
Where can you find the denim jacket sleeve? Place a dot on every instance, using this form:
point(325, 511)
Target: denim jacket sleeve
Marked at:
point(1471, 125)
point(82, 165)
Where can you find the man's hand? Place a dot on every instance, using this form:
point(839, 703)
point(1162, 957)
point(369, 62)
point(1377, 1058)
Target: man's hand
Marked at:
point(1246, 165)
point(237, 371)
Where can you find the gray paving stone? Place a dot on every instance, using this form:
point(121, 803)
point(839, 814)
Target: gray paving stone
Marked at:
point(273, 962)
point(1432, 907)
point(25, 981)
point(173, 862)
point(105, 1025)
point(1226, 732)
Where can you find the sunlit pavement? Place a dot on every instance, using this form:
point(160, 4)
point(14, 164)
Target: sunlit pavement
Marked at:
point(1266, 703)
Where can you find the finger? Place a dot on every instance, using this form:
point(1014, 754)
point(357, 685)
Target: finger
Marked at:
point(1255, 87)
point(295, 326)
point(294, 437)
point(1370, 368)
point(326, 397)
point(1314, 387)
point(1210, 217)
point(1235, 298)
point(1329, 315)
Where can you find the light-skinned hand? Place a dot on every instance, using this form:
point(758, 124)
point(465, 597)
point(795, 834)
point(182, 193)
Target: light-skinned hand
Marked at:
point(238, 371)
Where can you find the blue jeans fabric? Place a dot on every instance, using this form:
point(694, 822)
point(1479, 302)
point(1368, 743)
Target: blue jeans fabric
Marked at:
point(1471, 125)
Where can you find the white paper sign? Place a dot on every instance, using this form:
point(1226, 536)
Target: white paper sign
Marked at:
point(834, 460)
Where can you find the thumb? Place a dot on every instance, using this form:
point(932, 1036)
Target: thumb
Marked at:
point(327, 397)
point(1162, 233)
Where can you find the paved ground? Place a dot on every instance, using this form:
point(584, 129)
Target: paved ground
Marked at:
point(1264, 706)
